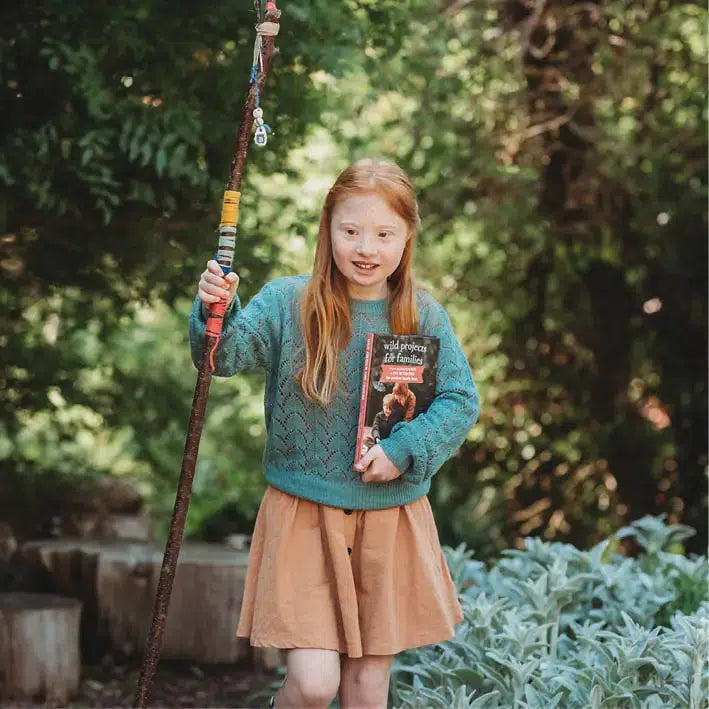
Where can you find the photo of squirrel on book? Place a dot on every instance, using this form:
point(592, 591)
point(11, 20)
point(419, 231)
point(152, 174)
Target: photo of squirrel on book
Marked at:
point(398, 383)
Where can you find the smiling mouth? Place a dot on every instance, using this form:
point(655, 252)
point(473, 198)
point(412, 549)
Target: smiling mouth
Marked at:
point(365, 266)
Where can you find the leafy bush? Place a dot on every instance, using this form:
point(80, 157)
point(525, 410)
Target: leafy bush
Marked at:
point(552, 626)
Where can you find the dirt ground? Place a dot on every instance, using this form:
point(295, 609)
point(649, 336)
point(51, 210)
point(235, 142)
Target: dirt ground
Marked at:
point(175, 685)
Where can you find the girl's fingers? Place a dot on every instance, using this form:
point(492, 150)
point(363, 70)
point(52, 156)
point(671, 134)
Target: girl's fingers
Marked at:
point(213, 285)
point(213, 289)
point(207, 297)
point(213, 274)
point(217, 280)
point(232, 283)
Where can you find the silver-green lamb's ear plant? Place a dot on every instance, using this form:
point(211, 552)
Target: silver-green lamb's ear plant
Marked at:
point(654, 536)
point(552, 626)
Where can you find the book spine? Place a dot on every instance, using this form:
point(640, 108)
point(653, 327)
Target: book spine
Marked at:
point(364, 395)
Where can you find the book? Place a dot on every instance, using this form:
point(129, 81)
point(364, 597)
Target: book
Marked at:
point(398, 383)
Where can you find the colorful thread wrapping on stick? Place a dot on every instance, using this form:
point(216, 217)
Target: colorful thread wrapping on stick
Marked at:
point(230, 208)
point(225, 259)
point(230, 204)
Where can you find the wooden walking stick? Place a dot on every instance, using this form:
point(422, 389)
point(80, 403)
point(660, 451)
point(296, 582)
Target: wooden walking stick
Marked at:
point(266, 32)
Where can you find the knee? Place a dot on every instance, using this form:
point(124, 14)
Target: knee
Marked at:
point(313, 689)
point(371, 682)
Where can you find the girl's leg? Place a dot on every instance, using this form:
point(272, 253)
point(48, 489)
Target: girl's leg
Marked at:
point(312, 678)
point(364, 681)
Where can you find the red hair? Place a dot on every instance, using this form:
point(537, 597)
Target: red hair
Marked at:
point(325, 314)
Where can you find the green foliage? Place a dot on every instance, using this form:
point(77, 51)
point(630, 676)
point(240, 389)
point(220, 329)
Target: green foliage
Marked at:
point(128, 150)
point(119, 404)
point(561, 161)
point(561, 176)
point(553, 626)
point(107, 182)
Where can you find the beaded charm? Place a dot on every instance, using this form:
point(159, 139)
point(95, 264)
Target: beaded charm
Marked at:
point(262, 129)
point(263, 29)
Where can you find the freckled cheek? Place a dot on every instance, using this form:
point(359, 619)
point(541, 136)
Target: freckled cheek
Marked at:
point(340, 251)
point(393, 256)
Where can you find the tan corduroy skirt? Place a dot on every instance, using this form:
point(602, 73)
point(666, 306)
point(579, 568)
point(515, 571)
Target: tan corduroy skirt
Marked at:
point(362, 582)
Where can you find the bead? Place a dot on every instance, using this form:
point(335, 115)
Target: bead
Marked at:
point(261, 137)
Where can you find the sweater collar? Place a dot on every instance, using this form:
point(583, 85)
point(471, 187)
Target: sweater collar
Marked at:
point(369, 307)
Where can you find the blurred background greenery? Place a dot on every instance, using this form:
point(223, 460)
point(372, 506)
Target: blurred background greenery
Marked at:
point(559, 152)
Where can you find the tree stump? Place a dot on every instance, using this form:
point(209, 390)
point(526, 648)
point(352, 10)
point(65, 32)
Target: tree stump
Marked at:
point(39, 646)
point(267, 658)
point(116, 580)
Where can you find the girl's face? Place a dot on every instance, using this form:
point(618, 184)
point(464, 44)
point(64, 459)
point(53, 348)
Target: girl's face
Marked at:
point(368, 240)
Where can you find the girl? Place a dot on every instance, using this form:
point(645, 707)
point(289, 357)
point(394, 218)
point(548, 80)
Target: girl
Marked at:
point(345, 567)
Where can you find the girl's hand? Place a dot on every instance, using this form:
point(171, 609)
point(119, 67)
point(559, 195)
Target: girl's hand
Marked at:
point(377, 467)
point(213, 286)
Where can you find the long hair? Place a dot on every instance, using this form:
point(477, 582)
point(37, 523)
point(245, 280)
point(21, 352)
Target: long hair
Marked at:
point(325, 314)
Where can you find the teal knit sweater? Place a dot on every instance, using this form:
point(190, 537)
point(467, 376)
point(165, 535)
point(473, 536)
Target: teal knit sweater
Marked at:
point(310, 449)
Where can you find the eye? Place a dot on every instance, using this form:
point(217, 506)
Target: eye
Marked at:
point(384, 234)
point(350, 232)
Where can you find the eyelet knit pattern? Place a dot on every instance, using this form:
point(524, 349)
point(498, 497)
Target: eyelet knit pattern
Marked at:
point(309, 448)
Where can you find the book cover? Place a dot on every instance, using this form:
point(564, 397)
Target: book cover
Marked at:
point(398, 383)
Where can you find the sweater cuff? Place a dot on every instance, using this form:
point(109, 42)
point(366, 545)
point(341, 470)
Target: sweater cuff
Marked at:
point(399, 456)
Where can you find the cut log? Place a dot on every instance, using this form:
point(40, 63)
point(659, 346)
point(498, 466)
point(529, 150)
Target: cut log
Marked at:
point(205, 604)
point(117, 580)
point(267, 658)
point(71, 565)
point(240, 542)
point(39, 647)
point(124, 526)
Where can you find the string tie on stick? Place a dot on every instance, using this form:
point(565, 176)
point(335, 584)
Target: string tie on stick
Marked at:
point(263, 29)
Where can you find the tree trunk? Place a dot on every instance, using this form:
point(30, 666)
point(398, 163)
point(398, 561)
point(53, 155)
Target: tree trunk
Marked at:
point(39, 646)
